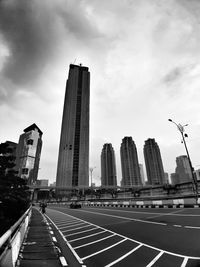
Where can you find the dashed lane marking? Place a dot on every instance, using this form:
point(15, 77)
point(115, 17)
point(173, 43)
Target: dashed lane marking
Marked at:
point(63, 261)
point(192, 227)
point(177, 225)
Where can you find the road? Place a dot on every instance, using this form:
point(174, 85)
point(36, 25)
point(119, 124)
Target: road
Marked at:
point(131, 237)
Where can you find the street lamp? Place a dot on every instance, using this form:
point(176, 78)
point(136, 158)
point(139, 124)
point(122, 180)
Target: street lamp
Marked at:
point(181, 130)
point(91, 171)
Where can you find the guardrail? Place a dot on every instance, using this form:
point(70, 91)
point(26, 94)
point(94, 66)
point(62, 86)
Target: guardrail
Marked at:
point(12, 240)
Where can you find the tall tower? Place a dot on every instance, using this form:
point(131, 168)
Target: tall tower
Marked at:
point(28, 153)
point(183, 169)
point(129, 162)
point(73, 158)
point(108, 166)
point(153, 162)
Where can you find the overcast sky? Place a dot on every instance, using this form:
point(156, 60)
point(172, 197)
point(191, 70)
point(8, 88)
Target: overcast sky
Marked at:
point(144, 60)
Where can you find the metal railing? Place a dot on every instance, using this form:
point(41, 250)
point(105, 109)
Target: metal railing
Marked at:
point(12, 240)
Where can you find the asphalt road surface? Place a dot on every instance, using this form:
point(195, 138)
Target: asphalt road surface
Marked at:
point(131, 237)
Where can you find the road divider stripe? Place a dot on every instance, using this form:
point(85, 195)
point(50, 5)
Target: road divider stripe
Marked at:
point(102, 250)
point(124, 256)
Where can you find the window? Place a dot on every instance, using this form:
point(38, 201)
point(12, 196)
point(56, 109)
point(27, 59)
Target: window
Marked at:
point(25, 171)
point(30, 142)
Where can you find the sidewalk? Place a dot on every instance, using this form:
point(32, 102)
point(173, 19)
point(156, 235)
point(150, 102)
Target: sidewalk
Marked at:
point(38, 249)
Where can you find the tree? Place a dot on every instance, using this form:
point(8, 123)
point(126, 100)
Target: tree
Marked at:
point(14, 195)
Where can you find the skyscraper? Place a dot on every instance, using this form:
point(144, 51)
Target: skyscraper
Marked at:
point(28, 153)
point(142, 174)
point(108, 166)
point(183, 169)
point(129, 163)
point(153, 162)
point(73, 158)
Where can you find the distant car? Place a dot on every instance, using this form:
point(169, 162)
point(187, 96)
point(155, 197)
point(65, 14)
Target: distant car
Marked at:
point(75, 205)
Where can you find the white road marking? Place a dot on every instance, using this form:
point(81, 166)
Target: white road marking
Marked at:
point(155, 259)
point(192, 227)
point(102, 250)
point(177, 225)
point(146, 212)
point(124, 256)
point(93, 242)
point(68, 226)
point(184, 262)
point(146, 245)
point(70, 247)
point(54, 239)
point(75, 228)
point(63, 261)
point(124, 218)
point(164, 214)
point(69, 223)
point(83, 237)
point(81, 232)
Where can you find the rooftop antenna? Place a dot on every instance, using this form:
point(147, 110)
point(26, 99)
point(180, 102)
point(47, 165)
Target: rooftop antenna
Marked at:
point(74, 61)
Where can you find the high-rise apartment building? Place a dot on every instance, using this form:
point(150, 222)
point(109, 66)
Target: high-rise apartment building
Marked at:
point(153, 162)
point(142, 173)
point(73, 158)
point(183, 169)
point(108, 166)
point(28, 153)
point(129, 163)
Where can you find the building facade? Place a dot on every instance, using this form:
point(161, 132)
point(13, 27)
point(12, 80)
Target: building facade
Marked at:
point(73, 158)
point(28, 153)
point(12, 148)
point(142, 173)
point(108, 166)
point(153, 162)
point(129, 163)
point(183, 170)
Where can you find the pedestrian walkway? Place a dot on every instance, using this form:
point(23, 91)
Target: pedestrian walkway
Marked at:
point(38, 249)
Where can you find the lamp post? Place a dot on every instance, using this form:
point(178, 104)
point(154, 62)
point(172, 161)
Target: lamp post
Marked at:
point(181, 130)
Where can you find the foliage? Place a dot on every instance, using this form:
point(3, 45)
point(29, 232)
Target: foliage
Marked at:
point(14, 196)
